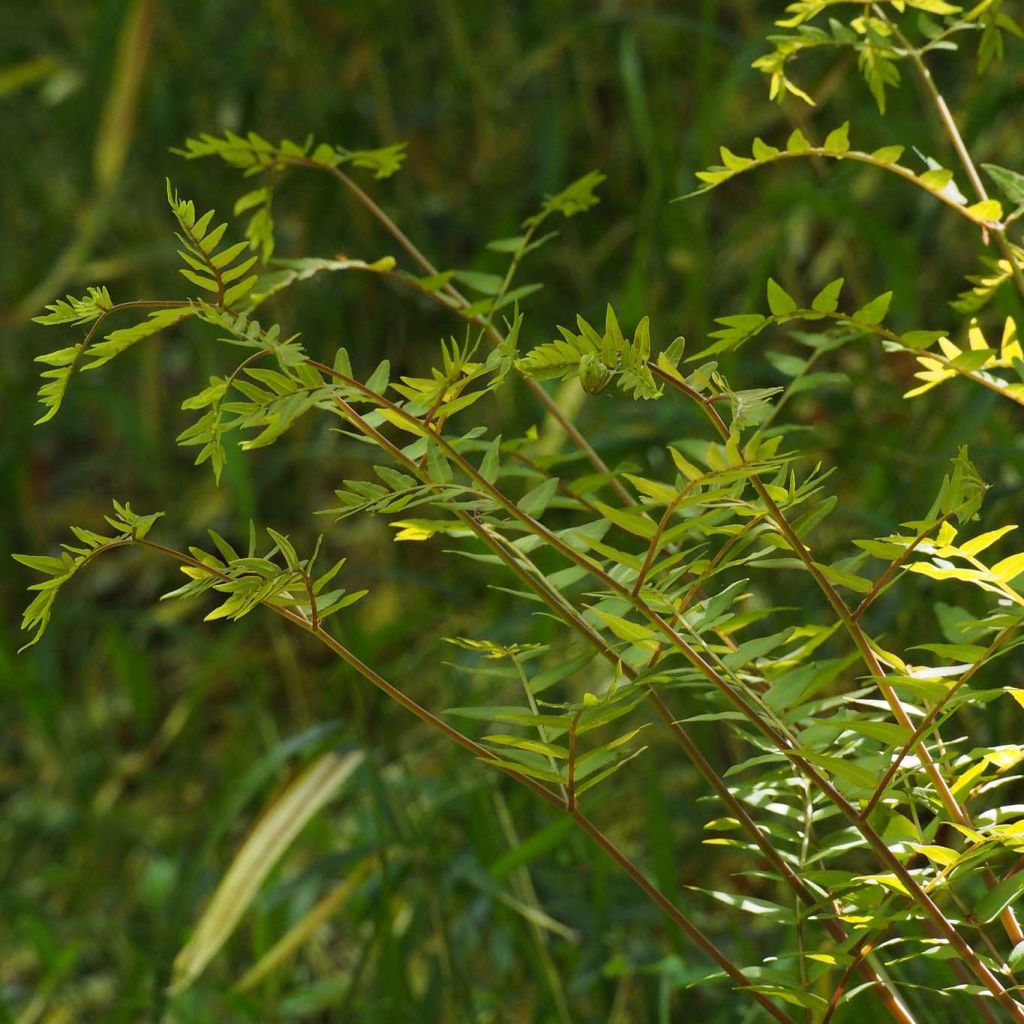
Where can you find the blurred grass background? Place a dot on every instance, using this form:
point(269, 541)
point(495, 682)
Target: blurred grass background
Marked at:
point(139, 744)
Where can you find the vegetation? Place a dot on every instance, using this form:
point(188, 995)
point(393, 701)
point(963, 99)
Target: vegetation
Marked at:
point(711, 647)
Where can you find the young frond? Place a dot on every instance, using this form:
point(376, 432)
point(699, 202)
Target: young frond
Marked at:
point(252, 153)
point(260, 230)
point(869, 35)
point(94, 304)
point(128, 525)
point(382, 162)
point(290, 271)
point(214, 270)
point(936, 180)
point(93, 309)
point(55, 381)
point(447, 382)
point(597, 359)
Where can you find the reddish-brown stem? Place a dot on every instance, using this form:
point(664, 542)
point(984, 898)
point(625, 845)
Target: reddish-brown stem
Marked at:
point(439, 725)
point(567, 426)
point(658, 897)
point(427, 717)
point(894, 567)
point(929, 719)
point(833, 597)
point(570, 789)
point(809, 771)
point(652, 548)
point(863, 645)
point(134, 304)
point(568, 614)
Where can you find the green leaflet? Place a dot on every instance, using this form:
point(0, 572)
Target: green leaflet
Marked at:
point(778, 301)
point(381, 162)
point(874, 312)
point(286, 272)
point(1010, 183)
point(996, 900)
point(535, 502)
point(269, 401)
point(246, 582)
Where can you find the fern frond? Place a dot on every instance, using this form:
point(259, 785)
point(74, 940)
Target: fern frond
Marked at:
point(556, 358)
point(381, 162)
point(117, 341)
point(72, 310)
point(213, 270)
point(128, 526)
point(260, 229)
point(250, 580)
point(977, 361)
point(207, 432)
point(55, 382)
point(93, 308)
point(251, 154)
point(254, 154)
point(936, 180)
point(597, 359)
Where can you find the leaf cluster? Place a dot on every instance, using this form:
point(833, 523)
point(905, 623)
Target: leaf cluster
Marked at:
point(598, 360)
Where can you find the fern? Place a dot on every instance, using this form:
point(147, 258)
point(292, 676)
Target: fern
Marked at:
point(447, 382)
point(254, 153)
point(118, 341)
point(258, 203)
point(944, 362)
point(94, 308)
point(978, 359)
point(215, 271)
point(597, 359)
point(55, 382)
point(59, 570)
point(287, 272)
point(872, 35)
point(856, 822)
point(251, 580)
point(93, 305)
point(937, 181)
point(382, 162)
